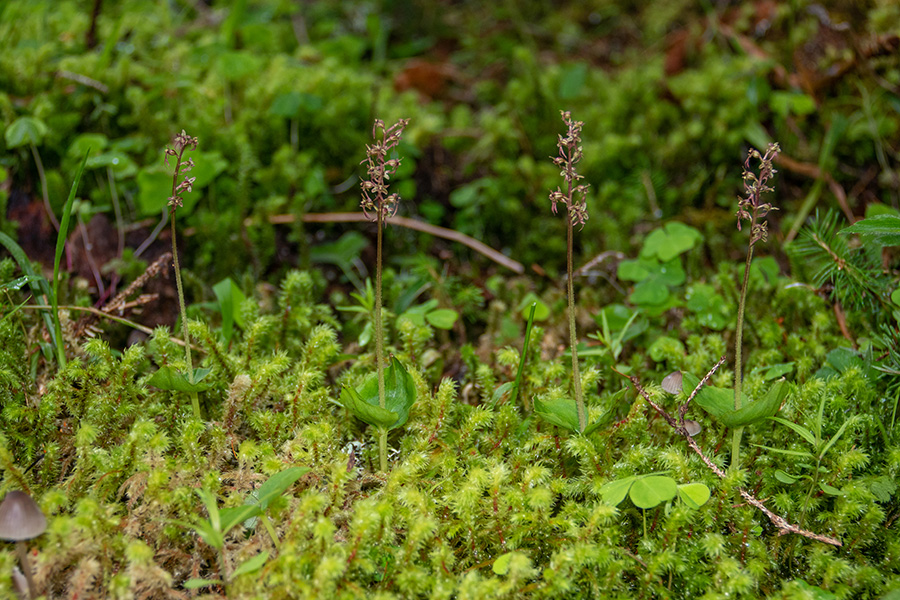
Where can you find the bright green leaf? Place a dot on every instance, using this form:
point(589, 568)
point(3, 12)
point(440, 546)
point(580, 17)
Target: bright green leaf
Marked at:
point(371, 414)
point(647, 492)
point(784, 477)
point(694, 495)
point(442, 318)
point(25, 131)
point(251, 564)
point(615, 491)
point(881, 229)
point(559, 411)
point(195, 583)
point(170, 378)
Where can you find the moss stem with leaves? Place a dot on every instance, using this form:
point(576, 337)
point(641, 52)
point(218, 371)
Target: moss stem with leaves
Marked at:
point(180, 143)
point(750, 208)
point(570, 152)
point(375, 197)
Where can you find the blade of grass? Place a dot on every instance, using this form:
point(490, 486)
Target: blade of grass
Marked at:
point(37, 283)
point(60, 246)
point(522, 358)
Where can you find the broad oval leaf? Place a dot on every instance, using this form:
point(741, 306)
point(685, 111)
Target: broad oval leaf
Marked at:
point(615, 491)
point(719, 403)
point(371, 414)
point(442, 318)
point(651, 491)
point(559, 411)
point(501, 563)
point(399, 392)
point(170, 378)
point(694, 495)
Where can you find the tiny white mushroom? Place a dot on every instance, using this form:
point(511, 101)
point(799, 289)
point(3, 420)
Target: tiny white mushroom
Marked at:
point(21, 519)
point(671, 383)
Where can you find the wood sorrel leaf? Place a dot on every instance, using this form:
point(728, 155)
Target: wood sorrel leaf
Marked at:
point(648, 492)
point(719, 403)
point(399, 396)
point(694, 495)
point(615, 491)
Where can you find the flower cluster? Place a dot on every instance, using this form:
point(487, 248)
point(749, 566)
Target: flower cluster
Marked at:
point(570, 153)
point(750, 207)
point(375, 196)
point(181, 142)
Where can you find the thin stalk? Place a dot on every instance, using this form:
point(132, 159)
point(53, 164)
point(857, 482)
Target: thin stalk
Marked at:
point(738, 348)
point(181, 306)
point(573, 341)
point(379, 339)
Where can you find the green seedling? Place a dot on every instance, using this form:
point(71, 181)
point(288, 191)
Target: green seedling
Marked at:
point(219, 522)
point(613, 340)
point(810, 462)
point(428, 312)
point(213, 529)
point(265, 494)
point(383, 403)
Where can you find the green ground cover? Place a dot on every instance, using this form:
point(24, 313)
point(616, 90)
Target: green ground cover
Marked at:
point(306, 300)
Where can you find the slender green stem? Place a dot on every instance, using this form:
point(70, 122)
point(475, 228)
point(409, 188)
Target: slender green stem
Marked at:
point(573, 340)
point(379, 339)
point(738, 362)
point(181, 307)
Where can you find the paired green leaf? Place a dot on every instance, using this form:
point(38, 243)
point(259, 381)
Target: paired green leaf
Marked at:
point(399, 396)
point(562, 412)
point(170, 378)
point(719, 403)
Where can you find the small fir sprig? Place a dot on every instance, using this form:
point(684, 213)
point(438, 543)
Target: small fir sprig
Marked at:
point(181, 143)
point(376, 198)
point(570, 153)
point(750, 208)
